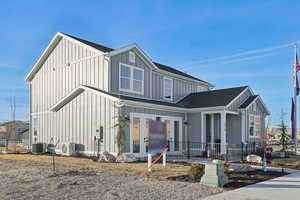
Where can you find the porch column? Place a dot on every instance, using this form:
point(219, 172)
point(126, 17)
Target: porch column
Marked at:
point(212, 137)
point(203, 130)
point(223, 132)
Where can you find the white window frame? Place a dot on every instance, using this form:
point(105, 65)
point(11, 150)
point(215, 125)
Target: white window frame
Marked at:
point(255, 128)
point(254, 107)
point(130, 90)
point(169, 99)
point(131, 57)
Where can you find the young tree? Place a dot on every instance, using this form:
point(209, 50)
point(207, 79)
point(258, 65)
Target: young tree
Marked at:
point(283, 133)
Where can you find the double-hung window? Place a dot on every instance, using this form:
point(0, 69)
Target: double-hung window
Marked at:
point(254, 125)
point(168, 88)
point(131, 79)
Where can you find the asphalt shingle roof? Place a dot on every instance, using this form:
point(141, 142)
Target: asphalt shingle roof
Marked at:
point(211, 98)
point(248, 101)
point(160, 66)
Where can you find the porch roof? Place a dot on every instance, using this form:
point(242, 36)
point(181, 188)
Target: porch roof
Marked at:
point(212, 98)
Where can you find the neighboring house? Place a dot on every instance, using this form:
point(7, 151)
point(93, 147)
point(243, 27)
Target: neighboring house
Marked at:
point(13, 130)
point(275, 133)
point(79, 87)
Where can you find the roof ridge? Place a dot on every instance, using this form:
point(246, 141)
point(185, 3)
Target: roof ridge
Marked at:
point(220, 89)
point(108, 49)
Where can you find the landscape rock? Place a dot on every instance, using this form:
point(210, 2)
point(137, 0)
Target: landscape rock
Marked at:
point(254, 158)
point(241, 168)
point(126, 158)
point(106, 157)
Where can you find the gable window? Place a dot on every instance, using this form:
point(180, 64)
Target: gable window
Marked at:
point(131, 57)
point(131, 79)
point(168, 88)
point(254, 125)
point(254, 107)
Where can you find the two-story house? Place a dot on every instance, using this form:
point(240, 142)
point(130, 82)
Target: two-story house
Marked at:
point(79, 88)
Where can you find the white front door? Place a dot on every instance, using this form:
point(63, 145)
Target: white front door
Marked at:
point(139, 133)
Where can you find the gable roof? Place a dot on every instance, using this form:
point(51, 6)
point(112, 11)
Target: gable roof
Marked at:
point(175, 71)
point(248, 101)
point(92, 44)
point(159, 65)
point(212, 98)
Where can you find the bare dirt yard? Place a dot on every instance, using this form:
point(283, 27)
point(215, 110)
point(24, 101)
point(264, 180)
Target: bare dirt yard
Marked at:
point(31, 177)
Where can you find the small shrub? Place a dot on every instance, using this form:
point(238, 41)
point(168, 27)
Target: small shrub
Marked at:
point(226, 167)
point(196, 171)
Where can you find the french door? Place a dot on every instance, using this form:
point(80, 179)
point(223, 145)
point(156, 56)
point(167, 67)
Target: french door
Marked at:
point(139, 133)
point(173, 133)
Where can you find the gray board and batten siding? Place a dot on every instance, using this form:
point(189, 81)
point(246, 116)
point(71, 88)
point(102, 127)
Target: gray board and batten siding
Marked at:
point(153, 81)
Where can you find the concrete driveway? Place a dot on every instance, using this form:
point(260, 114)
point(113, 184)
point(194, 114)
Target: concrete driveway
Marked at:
point(285, 187)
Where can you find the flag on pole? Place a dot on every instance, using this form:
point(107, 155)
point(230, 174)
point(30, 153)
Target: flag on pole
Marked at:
point(297, 66)
point(293, 120)
point(297, 86)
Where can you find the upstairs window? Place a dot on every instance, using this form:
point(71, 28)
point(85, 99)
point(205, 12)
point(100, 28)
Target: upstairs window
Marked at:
point(131, 79)
point(131, 57)
point(168, 89)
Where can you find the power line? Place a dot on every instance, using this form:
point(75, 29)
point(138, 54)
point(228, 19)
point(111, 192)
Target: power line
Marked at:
point(236, 56)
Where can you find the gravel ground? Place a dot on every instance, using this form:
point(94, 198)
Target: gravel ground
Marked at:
point(31, 180)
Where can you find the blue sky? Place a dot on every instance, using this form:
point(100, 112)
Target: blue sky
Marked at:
point(170, 32)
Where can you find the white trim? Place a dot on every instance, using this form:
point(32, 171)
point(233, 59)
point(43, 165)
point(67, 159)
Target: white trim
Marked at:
point(231, 112)
point(142, 117)
point(131, 57)
point(264, 105)
point(172, 86)
point(74, 93)
point(131, 79)
point(223, 133)
point(39, 113)
point(237, 97)
point(66, 99)
point(54, 41)
point(243, 126)
point(212, 130)
point(180, 77)
point(157, 70)
point(129, 47)
point(254, 136)
point(171, 108)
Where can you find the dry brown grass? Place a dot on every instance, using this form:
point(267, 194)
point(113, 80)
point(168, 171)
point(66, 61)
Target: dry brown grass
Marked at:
point(17, 148)
point(160, 172)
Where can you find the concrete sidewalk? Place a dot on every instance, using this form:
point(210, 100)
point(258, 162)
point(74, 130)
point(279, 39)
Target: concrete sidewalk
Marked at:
point(285, 187)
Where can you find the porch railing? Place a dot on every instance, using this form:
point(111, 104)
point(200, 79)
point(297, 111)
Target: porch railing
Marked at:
point(192, 150)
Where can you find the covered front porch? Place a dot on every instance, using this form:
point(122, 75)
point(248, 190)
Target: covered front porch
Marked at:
point(218, 129)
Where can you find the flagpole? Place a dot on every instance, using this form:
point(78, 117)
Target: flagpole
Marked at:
point(295, 102)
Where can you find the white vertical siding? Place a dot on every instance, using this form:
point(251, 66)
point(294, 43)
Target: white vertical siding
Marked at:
point(56, 78)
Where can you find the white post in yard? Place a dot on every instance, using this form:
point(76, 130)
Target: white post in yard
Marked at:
point(223, 133)
point(164, 158)
point(149, 162)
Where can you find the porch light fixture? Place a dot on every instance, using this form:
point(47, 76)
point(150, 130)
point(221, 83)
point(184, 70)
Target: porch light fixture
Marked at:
point(126, 117)
point(185, 122)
